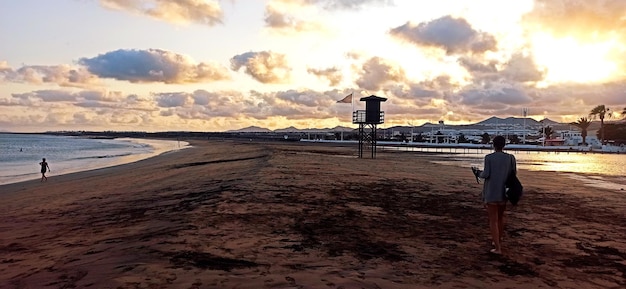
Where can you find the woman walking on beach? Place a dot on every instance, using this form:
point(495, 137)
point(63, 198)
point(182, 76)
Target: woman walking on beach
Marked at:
point(497, 167)
point(44, 168)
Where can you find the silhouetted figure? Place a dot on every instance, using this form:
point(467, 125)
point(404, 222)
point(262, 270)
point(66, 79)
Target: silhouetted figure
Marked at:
point(498, 165)
point(44, 168)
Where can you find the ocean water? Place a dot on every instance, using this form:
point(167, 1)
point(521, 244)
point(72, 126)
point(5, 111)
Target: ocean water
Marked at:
point(603, 170)
point(20, 154)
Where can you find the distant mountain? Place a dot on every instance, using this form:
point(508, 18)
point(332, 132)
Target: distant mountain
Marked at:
point(548, 121)
point(342, 128)
point(492, 121)
point(251, 129)
point(288, 129)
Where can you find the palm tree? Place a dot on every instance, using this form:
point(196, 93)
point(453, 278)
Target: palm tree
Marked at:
point(547, 132)
point(583, 124)
point(600, 111)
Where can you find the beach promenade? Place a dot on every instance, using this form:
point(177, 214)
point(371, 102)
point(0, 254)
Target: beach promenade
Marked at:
point(228, 214)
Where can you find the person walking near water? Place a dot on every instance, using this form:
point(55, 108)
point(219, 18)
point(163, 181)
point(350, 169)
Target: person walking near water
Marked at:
point(497, 167)
point(44, 168)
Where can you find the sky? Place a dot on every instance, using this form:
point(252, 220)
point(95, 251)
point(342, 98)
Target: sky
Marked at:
point(206, 65)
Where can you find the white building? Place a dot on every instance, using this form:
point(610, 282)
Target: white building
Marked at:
point(575, 138)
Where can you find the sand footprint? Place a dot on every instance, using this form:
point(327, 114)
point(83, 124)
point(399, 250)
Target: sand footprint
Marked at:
point(292, 282)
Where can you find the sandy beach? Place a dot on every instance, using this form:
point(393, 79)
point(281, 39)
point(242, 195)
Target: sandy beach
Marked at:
point(227, 214)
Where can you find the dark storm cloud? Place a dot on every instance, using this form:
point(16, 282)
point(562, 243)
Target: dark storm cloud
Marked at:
point(206, 12)
point(152, 65)
point(264, 66)
point(454, 35)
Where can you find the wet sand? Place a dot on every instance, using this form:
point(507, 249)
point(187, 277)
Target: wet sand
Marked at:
point(288, 215)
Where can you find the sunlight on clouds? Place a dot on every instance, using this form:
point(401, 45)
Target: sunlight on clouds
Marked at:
point(568, 60)
point(281, 63)
point(437, 102)
point(185, 11)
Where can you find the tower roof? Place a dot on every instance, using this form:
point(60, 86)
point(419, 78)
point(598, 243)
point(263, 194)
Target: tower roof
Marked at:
point(373, 98)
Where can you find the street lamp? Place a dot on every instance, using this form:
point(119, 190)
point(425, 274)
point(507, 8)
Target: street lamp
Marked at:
point(443, 127)
point(543, 132)
point(525, 114)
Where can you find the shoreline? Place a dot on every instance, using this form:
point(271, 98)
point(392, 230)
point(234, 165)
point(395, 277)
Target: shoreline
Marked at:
point(158, 146)
point(226, 214)
point(480, 147)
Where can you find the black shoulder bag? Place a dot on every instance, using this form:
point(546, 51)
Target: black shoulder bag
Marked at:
point(514, 188)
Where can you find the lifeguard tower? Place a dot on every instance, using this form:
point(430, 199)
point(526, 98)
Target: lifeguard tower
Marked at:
point(367, 120)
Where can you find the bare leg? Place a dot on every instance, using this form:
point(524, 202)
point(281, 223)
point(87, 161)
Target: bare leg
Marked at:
point(492, 211)
point(501, 209)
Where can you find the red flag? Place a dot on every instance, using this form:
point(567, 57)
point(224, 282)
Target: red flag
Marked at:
point(347, 99)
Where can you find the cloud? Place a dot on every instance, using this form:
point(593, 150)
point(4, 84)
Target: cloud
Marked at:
point(454, 35)
point(574, 95)
point(172, 99)
point(289, 16)
point(578, 17)
point(4, 67)
point(63, 75)
point(97, 95)
point(494, 95)
point(307, 98)
point(474, 65)
point(341, 4)
point(277, 19)
point(48, 95)
point(297, 104)
point(153, 65)
point(376, 71)
point(519, 68)
point(205, 12)
point(201, 104)
point(88, 99)
point(284, 22)
point(522, 68)
point(332, 74)
point(419, 91)
point(203, 97)
point(264, 66)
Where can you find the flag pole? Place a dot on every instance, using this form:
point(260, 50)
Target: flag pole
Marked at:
point(352, 103)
